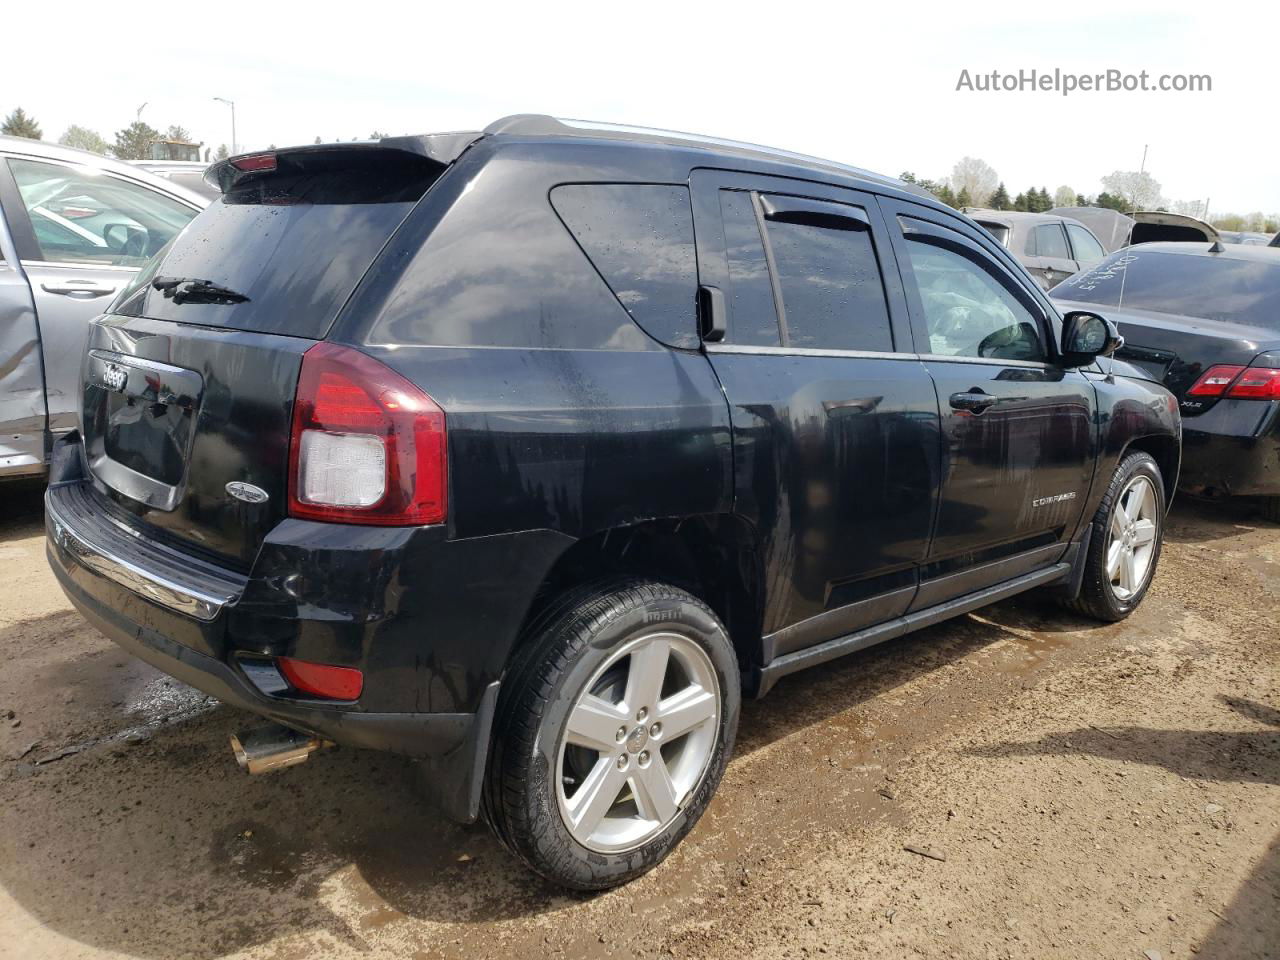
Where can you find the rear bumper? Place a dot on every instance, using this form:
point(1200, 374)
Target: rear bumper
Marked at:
point(1232, 450)
point(391, 603)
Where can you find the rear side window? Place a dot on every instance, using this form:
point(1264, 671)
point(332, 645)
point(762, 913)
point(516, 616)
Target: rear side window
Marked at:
point(640, 239)
point(832, 293)
point(998, 230)
point(753, 319)
point(293, 242)
point(1051, 242)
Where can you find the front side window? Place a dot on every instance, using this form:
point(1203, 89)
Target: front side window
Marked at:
point(832, 293)
point(81, 215)
point(1050, 241)
point(640, 238)
point(967, 311)
point(1086, 247)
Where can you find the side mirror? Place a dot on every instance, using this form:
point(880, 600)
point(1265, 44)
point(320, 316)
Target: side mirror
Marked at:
point(1087, 336)
point(126, 240)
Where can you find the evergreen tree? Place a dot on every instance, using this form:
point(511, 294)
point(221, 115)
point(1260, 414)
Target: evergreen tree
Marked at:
point(177, 132)
point(18, 124)
point(1082, 200)
point(1110, 201)
point(945, 194)
point(1020, 203)
point(963, 199)
point(1046, 200)
point(222, 153)
point(1000, 198)
point(134, 141)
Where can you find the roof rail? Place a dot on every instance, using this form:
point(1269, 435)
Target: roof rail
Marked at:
point(542, 125)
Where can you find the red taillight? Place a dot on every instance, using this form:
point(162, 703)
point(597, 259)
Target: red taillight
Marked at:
point(367, 445)
point(1214, 381)
point(255, 162)
point(1257, 383)
point(322, 680)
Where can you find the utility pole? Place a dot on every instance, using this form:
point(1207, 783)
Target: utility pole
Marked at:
point(232, 105)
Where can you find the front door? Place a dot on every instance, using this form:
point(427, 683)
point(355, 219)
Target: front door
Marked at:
point(81, 234)
point(835, 422)
point(1019, 430)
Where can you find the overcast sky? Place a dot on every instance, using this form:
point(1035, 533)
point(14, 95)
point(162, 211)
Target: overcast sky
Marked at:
point(871, 87)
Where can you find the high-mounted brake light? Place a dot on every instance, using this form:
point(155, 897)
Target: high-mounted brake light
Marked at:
point(367, 445)
point(1214, 381)
point(1257, 383)
point(255, 163)
point(322, 680)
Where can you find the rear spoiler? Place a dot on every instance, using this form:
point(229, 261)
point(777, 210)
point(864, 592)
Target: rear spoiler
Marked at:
point(439, 148)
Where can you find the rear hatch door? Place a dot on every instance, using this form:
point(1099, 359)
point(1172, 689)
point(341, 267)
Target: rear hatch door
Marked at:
point(188, 382)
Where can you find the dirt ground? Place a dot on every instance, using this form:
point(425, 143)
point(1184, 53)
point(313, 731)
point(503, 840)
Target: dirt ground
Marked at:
point(1090, 792)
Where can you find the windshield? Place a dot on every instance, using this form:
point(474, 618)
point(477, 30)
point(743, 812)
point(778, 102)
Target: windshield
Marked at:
point(1212, 287)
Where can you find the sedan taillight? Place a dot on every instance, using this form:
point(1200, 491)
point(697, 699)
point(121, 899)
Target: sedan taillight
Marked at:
point(1257, 383)
point(367, 445)
point(1214, 381)
point(1241, 383)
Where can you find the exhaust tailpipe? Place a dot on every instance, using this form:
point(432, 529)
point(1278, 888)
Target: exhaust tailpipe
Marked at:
point(273, 747)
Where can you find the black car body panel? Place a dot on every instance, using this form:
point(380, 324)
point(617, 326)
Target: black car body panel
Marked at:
point(818, 497)
point(1231, 446)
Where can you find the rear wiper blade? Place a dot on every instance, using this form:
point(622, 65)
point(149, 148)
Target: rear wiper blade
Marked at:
point(194, 290)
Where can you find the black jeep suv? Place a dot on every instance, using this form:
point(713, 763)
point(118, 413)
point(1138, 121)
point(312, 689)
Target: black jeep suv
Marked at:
point(526, 453)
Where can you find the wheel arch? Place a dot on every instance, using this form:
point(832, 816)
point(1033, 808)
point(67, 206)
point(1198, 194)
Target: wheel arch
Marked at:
point(714, 557)
point(1167, 453)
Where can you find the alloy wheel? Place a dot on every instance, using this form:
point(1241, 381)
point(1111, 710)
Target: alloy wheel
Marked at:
point(637, 742)
point(1131, 537)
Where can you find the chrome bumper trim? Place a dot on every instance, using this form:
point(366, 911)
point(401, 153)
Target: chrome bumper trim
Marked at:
point(202, 605)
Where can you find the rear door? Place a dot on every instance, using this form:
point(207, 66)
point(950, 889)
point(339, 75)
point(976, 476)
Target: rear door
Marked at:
point(1085, 247)
point(82, 234)
point(1018, 430)
point(835, 422)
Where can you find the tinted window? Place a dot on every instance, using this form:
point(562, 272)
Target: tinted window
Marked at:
point(832, 293)
point(998, 230)
point(967, 311)
point(295, 242)
point(640, 238)
point(81, 215)
point(753, 318)
point(1085, 246)
point(1212, 287)
point(1050, 241)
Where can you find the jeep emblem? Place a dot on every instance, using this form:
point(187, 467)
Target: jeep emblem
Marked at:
point(115, 378)
point(247, 492)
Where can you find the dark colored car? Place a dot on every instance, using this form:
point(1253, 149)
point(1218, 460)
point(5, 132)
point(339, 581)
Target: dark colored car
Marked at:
point(1204, 319)
point(526, 452)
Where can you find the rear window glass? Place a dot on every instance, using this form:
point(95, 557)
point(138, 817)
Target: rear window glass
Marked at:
point(1211, 287)
point(832, 293)
point(294, 243)
point(998, 230)
point(753, 318)
point(640, 239)
point(1051, 242)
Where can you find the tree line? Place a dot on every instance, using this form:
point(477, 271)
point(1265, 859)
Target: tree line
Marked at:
point(975, 183)
point(131, 143)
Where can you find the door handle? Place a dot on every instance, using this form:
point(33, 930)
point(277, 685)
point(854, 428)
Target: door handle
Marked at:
point(975, 401)
point(81, 289)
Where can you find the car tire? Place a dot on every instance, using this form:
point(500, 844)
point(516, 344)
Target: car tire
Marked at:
point(1121, 562)
point(590, 661)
